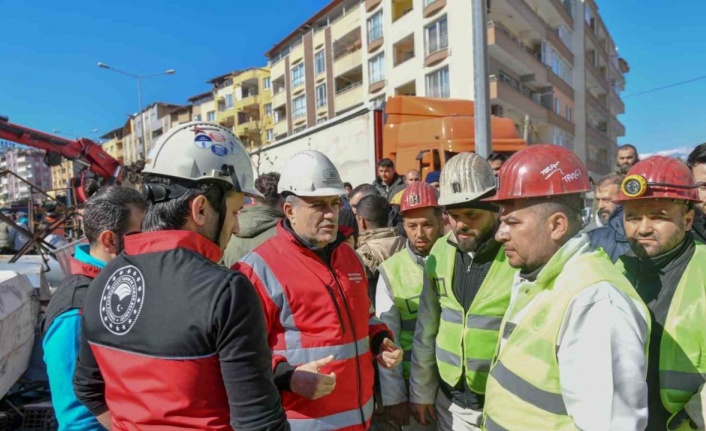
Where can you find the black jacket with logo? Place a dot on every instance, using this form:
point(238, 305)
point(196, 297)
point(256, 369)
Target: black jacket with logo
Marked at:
point(172, 340)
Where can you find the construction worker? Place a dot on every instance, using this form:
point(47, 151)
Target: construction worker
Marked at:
point(697, 163)
point(171, 339)
point(257, 223)
point(668, 269)
point(573, 349)
point(321, 326)
point(108, 216)
point(466, 292)
point(376, 241)
point(397, 297)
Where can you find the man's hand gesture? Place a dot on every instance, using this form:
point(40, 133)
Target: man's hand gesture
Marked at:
point(309, 383)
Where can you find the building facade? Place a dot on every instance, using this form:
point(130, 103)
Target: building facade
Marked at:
point(113, 143)
point(27, 163)
point(156, 120)
point(554, 69)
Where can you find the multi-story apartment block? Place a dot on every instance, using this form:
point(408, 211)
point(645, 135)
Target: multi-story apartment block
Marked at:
point(156, 119)
point(61, 174)
point(180, 116)
point(244, 104)
point(114, 144)
point(554, 69)
point(203, 107)
point(27, 163)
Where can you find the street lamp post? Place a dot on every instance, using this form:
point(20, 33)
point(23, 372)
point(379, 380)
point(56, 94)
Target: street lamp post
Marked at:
point(139, 79)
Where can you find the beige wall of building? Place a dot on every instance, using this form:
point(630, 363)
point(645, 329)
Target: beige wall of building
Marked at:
point(554, 68)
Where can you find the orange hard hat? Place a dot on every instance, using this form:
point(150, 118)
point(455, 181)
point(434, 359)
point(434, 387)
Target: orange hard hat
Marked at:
point(418, 195)
point(659, 177)
point(541, 170)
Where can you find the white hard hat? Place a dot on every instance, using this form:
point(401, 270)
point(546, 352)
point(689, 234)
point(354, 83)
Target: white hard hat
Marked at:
point(198, 151)
point(310, 173)
point(465, 178)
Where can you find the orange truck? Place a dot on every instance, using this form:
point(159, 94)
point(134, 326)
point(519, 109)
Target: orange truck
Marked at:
point(415, 132)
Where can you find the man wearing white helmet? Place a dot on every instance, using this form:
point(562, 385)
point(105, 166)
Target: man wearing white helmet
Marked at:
point(171, 339)
point(322, 329)
point(466, 292)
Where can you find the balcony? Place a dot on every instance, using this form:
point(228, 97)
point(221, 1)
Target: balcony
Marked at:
point(279, 99)
point(617, 106)
point(597, 105)
point(564, 10)
point(347, 62)
point(618, 128)
point(510, 93)
point(509, 50)
point(556, 41)
point(280, 129)
point(401, 8)
point(403, 50)
point(594, 75)
point(595, 42)
point(346, 23)
point(561, 85)
point(561, 122)
point(349, 97)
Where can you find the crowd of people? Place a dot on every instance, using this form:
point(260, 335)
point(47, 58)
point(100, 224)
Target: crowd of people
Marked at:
point(481, 297)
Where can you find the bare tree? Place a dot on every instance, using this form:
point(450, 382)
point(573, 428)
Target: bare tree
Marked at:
point(253, 138)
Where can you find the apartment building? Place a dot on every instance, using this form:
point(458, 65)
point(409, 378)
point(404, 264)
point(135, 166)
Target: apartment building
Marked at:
point(554, 69)
point(61, 174)
point(156, 119)
point(29, 164)
point(113, 143)
point(243, 102)
point(180, 115)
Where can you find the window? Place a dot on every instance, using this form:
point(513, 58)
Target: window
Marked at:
point(299, 129)
point(437, 36)
point(569, 113)
point(319, 62)
point(375, 27)
point(564, 35)
point(321, 95)
point(377, 68)
point(321, 120)
point(438, 83)
point(557, 105)
point(298, 75)
point(211, 116)
point(299, 107)
point(428, 2)
point(229, 101)
point(266, 83)
point(268, 109)
point(270, 135)
point(280, 116)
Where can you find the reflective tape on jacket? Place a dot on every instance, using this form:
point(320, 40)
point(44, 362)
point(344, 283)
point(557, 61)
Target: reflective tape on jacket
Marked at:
point(304, 355)
point(405, 279)
point(335, 421)
point(524, 390)
point(466, 341)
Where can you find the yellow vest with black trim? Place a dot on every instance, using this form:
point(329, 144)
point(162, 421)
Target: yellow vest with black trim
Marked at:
point(466, 341)
point(405, 278)
point(682, 352)
point(524, 391)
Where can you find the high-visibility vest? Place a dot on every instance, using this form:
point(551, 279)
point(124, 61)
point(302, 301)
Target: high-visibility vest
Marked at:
point(466, 341)
point(524, 391)
point(682, 352)
point(405, 278)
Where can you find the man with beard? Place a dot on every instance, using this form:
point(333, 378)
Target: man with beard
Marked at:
point(610, 237)
point(397, 296)
point(668, 269)
point(626, 158)
point(466, 292)
point(172, 340)
point(697, 164)
point(573, 348)
point(321, 326)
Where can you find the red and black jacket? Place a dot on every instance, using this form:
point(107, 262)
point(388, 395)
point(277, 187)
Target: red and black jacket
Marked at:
point(172, 340)
point(71, 293)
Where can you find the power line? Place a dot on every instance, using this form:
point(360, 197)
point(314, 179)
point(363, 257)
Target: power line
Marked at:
point(665, 87)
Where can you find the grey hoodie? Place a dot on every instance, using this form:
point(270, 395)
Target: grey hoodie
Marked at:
point(257, 225)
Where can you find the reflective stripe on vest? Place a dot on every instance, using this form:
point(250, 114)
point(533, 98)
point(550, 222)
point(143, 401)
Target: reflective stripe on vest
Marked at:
point(304, 355)
point(465, 343)
point(405, 278)
point(524, 390)
point(345, 419)
point(682, 358)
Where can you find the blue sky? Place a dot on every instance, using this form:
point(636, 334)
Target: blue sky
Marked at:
point(49, 78)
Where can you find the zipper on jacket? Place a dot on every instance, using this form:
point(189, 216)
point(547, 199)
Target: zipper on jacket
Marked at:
point(335, 305)
point(355, 344)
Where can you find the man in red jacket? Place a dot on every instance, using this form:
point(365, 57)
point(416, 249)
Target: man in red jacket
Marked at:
point(321, 326)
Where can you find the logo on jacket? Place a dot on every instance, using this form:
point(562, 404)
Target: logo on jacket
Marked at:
point(355, 277)
point(122, 299)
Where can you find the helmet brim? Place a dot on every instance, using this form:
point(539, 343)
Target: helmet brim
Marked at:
point(329, 191)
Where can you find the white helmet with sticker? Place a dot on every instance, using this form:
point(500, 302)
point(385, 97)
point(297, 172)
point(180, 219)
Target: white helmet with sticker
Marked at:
point(198, 151)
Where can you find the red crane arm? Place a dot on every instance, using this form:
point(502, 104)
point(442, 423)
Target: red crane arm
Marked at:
point(82, 150)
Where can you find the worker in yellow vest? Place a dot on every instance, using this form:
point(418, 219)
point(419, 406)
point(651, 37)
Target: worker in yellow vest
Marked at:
point(573, 352)
point(667, 267)
point(466, 292)
point(398, 291)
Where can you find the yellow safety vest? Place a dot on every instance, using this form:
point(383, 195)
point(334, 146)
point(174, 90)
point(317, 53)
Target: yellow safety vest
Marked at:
point(466, 341)
point(682, 352)
point(524, 391)
point(405, 278)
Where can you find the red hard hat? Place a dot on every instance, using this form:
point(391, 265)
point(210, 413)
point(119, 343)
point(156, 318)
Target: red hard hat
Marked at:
point(659, 177)
point(418, 195)
point(541, 170)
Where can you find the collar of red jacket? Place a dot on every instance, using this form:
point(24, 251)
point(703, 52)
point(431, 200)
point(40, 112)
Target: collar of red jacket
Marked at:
point(81, 268)
point(165, 240)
